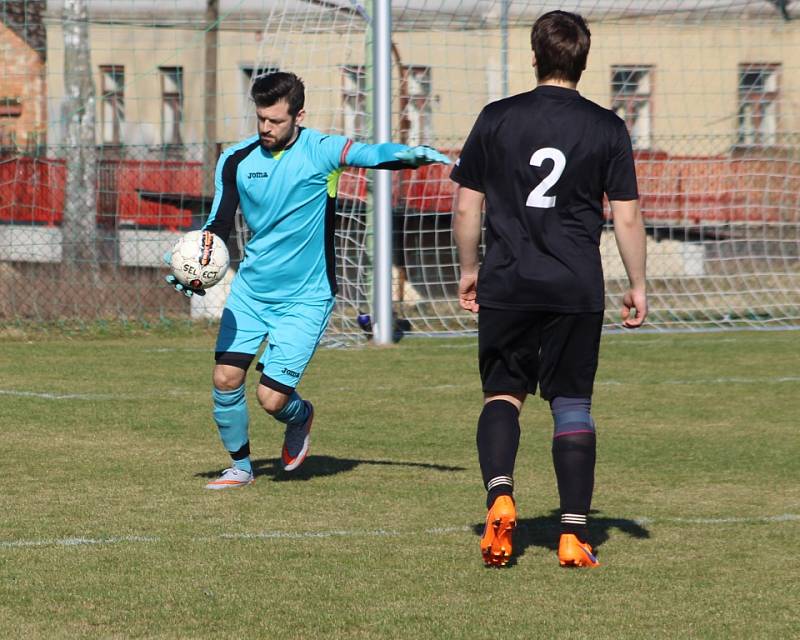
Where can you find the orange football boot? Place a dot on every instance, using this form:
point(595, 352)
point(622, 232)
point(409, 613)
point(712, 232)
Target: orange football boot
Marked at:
point(574, 553)
point(496, 539)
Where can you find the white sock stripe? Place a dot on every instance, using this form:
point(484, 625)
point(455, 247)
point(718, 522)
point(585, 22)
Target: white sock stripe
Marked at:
point(572, 518)
point(500, 480)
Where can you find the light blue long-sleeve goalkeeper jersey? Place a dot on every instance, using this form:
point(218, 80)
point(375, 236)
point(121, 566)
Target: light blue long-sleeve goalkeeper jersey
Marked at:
point(288, 202)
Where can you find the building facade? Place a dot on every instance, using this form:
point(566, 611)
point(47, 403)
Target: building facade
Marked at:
point(23, 83)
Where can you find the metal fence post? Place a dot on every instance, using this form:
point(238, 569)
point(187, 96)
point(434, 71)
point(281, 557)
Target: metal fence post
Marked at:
point(382, 259)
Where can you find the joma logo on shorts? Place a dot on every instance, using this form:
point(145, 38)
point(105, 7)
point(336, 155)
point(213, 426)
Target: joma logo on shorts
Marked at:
point(257, 174)
point(289, 372)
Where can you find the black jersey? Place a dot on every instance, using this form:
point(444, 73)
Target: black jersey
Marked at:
point(543, 159)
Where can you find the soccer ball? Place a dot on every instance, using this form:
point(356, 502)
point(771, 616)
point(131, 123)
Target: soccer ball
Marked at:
point(199, 259)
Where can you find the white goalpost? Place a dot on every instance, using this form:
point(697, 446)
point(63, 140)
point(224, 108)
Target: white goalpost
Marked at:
point(709, 90)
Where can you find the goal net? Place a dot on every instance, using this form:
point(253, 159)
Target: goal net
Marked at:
point(112, 114)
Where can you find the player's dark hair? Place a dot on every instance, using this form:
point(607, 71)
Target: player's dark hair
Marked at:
point(560, 41)
point(271, 88)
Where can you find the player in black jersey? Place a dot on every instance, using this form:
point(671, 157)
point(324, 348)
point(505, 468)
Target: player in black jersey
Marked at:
point(541, 161)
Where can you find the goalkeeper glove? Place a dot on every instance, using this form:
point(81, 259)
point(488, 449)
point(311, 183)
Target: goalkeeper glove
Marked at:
point(421, 155)
point(185, 289)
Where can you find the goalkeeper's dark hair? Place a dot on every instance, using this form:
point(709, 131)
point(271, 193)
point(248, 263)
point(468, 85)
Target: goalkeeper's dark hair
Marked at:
point(560, 41)
point(271, 88)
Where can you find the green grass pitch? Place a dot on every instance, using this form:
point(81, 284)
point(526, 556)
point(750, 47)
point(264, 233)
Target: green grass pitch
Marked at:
point(106, 530)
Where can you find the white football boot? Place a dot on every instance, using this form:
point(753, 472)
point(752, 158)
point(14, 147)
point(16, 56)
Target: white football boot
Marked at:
point(231, 479)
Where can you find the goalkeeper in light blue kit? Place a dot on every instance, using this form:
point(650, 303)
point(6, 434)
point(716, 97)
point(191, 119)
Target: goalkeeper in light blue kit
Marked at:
point(284, 180)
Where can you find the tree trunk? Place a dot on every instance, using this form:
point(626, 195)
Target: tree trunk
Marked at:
point(79, 228)
point(210, 98)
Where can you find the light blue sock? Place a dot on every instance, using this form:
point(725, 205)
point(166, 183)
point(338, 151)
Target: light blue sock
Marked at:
point(294, 412)
point(230, 414)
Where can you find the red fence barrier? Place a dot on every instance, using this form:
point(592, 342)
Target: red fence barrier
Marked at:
point(156, 177)
point(673, 189)
point(32, 190)
point(695, 190)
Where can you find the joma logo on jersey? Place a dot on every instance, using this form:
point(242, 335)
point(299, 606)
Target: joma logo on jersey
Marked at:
point(289, 372)
point(257, 174)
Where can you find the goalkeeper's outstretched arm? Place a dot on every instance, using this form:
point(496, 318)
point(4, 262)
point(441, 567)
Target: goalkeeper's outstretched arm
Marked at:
point(390, 155)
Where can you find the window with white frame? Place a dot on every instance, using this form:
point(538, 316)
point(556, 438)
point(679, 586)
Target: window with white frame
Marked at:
point(418, 112)
point(354, 102)
point(171, 104)
point(112, 106)
point(631, 100)
point(758, 104)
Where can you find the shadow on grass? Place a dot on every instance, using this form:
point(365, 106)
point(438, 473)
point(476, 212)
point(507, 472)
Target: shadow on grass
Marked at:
point(543, 531)
point(321, 466)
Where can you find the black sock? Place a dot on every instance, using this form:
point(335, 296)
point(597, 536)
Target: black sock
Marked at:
point(573, 459)
point(498, 441)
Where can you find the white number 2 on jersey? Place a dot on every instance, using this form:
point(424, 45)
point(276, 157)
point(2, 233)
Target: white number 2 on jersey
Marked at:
point(536, 198)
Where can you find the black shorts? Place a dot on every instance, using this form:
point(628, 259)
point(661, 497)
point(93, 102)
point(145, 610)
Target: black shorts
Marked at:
point(518, 350)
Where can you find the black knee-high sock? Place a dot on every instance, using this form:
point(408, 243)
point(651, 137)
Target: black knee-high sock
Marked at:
point(498, 441)
point(574, 455)
point(574, 458)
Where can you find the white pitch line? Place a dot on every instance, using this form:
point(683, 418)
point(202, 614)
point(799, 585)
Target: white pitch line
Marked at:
point(786, 517)
point(733, 380)
point(75, 542)
point(176, 349)
point(610, 383)
point(357, 533)
point(43, 395)
point(301, 535)
point(650, 340)
point(56, 396)
point(446, 530)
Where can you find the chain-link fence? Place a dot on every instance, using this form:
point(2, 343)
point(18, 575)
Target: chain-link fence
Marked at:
point(112, 115)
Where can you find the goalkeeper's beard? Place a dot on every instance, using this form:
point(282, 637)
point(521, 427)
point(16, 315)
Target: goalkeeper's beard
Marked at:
point(278, 144)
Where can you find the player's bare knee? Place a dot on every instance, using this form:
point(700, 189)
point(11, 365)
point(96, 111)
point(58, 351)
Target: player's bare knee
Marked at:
point(270, 400)
point(228, 378)
point(517, 399)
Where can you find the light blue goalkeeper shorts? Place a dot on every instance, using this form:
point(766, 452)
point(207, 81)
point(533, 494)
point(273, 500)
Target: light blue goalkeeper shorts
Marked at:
point(292, 330)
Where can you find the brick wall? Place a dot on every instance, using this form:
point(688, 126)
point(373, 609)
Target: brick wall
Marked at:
point(23, 92)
